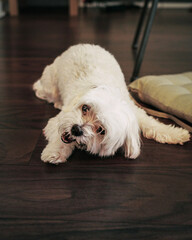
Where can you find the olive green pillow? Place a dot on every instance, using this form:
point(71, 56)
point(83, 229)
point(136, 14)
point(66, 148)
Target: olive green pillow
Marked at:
point(169, 93)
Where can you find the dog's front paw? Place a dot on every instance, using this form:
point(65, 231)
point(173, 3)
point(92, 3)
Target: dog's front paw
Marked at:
point(52, 157)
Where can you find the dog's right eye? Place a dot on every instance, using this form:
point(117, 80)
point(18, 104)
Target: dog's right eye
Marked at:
point(85, 109)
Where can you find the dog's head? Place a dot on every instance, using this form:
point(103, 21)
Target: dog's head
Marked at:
point(101, 122)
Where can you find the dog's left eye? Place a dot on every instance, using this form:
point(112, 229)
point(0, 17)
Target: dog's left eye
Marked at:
point(85, 109)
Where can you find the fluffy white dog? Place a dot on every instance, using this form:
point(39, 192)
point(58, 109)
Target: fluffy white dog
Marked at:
point(97, 114)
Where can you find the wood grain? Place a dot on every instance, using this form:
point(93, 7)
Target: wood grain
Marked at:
point(88, 197)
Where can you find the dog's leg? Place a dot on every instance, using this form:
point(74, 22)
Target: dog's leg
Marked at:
point(153, 129)
point(56, 151)
point(46, 87)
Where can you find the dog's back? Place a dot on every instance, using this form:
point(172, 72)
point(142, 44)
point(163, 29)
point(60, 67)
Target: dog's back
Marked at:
point(81, 67)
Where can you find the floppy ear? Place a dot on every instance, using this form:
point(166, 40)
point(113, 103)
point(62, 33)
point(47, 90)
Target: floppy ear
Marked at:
point(132, 141)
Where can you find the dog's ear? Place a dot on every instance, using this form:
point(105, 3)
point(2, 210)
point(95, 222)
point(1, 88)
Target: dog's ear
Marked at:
point(132, 141)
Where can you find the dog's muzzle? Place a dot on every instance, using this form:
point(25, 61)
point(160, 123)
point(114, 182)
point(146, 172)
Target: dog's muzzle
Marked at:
point(76, 131)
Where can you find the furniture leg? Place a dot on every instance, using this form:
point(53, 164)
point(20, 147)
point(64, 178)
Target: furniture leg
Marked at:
point(73, 5)
point(142, 48)
point(13, 7)
point(140, 24)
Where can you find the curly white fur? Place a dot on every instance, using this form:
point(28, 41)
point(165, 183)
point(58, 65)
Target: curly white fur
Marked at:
point(88, 77)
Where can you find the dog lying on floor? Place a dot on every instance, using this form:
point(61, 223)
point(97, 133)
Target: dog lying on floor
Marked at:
point(97, 114)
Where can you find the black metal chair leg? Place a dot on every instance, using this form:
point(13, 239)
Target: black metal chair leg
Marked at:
point(140, 24)
point(144, 40)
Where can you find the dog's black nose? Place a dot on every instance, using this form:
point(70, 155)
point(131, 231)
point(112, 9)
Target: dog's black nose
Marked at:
point(76, 130)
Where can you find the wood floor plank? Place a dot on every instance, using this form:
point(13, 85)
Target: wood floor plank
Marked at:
point(17, 145)
point(95, 200)
point(25, 116)
point(50, 231)
point(22, 71)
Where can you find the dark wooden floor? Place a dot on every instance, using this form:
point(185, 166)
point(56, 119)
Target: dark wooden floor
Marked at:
point(88, 197)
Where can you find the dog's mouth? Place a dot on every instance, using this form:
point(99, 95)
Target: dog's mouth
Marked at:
point(67, 138)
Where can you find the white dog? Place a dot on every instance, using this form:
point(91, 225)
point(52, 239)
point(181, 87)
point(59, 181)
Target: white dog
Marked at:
point(97, 114)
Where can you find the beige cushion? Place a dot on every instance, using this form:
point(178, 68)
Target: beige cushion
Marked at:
point(169, 93)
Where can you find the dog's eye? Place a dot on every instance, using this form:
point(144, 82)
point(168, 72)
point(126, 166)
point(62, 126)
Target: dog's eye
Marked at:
point(85, 109)
point(101, 131)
